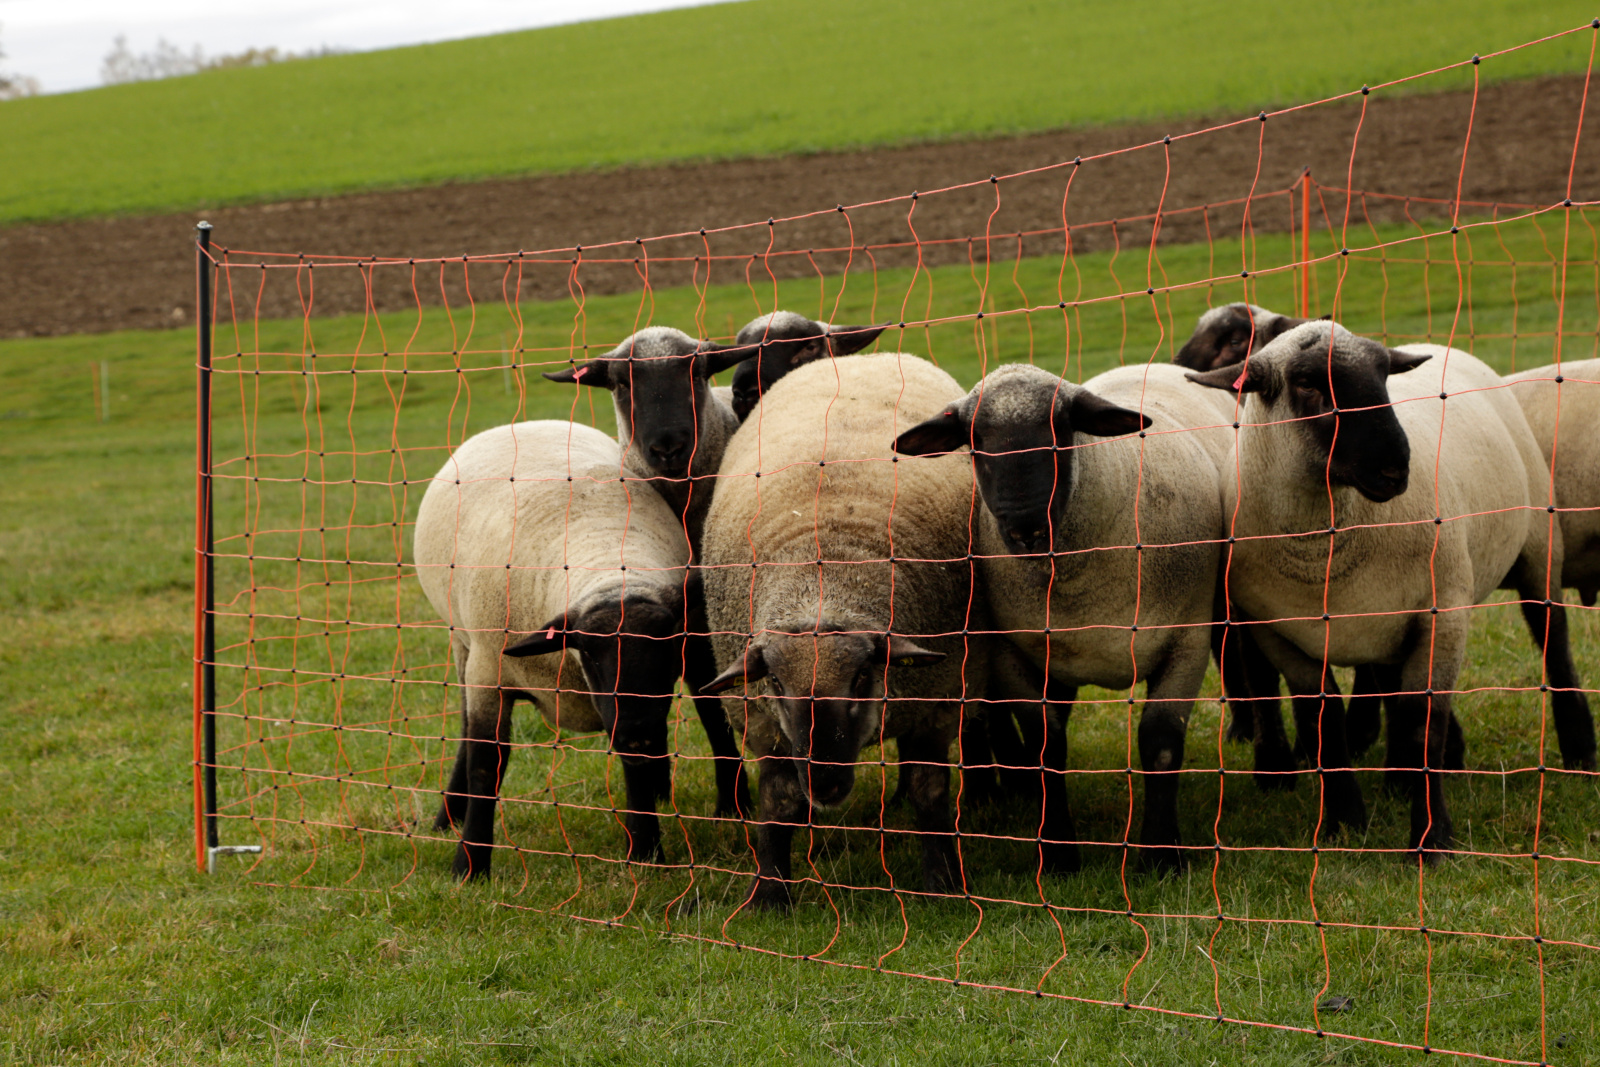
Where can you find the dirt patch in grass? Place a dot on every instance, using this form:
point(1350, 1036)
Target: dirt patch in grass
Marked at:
point(118, 273)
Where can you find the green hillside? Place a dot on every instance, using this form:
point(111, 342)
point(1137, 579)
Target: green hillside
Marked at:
point(762, 77)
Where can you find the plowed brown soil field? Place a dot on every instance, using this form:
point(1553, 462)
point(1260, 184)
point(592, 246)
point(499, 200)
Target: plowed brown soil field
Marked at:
point(115, 273)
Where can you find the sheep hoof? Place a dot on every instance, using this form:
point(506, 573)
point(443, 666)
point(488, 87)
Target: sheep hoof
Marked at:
point(1580, 763)
point(1161, 861)
point(646, 852)
point(472, 863)
point(770, 895)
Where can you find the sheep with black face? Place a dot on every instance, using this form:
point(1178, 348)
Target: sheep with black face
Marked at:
point(839, 589)
point(1225, 335)
point(674, 429)
point(1094, 540)
point(1376, 497)
point(561, 574)
point(784, 340)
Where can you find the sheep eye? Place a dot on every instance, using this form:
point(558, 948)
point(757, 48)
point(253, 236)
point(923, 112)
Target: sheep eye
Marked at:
point(863, 683)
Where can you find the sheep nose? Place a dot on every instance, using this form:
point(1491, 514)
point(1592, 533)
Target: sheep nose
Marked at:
point(670, 453)
point(1029, 540)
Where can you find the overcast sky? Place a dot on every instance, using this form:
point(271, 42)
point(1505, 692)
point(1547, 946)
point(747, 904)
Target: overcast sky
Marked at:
point(61, 42)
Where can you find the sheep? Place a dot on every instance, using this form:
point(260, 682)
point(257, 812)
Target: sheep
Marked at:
point(1100, 556)
point(840, 588)
point(785, 340)
point(674, 428)
point(1575, 465)
point(1223, 337)
point(1374, 501)
point(561, 574)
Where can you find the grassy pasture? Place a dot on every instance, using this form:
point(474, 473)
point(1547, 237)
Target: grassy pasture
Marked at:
point(114, 950)
point(740, 79)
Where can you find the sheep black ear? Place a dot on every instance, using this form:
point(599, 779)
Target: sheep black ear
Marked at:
point(1233, 378)
point(590, 373)
point(1276, 327)
point(719, 358)
point(1099, 417)
point(845, 340)
point(904, 652)
point(945, 432)
point(551, 638)
point(1400, 362)
point(746, 389)
point(747, 668)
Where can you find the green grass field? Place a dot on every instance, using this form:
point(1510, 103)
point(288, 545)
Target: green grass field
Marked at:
point(112, 949)
point(757, 78)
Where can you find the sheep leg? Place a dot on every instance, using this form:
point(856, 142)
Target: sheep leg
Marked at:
point(1227, 646)
point(1364, 718)
point(488, 728)
point(1428, 676)
point(1319, 722)
point(646, 778)
point(1010, 755)
point(1015, 695)
point(1045, 736)
point(979, 782)
point(1250, 682)
point(1547, 622)
point(924, 761)
point(454, 806)
point(783, 805)
point(1163, 726)
point(733, 790)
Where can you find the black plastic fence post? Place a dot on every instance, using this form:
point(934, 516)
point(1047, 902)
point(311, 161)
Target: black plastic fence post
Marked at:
point(208, 642)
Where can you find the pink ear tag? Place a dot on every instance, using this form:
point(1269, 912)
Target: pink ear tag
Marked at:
point(1239, 382)
point(550, 634)
point(577, 375)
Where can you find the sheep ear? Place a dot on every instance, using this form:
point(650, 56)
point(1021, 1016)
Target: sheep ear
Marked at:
point(747, 668)
point(904, 652)
point(590, 373)
point(845, 340)
point(719, 358)
point(1277, 326)
point(945, 432)
point(1099, 417)
point(552, 637)
point(1400, 362)
point(1233, 378)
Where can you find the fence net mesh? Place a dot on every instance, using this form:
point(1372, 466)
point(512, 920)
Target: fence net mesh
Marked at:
point(338, 698)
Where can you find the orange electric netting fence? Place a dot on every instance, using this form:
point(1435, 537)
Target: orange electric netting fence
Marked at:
point(873, 574)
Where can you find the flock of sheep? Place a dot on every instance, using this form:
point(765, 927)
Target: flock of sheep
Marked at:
point(838, 551)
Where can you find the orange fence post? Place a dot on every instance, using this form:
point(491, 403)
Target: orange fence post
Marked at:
point(1305, 244)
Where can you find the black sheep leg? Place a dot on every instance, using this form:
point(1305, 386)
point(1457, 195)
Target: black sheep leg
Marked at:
point(783, 805)
point(488, 728)
point(733, 790)
point(924, 762)
point(453, 808)
point(1547, 622)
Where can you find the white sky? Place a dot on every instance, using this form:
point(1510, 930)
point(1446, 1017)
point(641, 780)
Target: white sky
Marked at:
point(61, 42)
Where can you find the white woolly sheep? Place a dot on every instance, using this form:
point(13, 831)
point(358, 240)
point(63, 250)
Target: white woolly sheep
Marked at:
point(1223, 337)
point(1342, 564)
point(561, 574)
point(1576, 463)
point(1100, 556)
point(825, 558)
